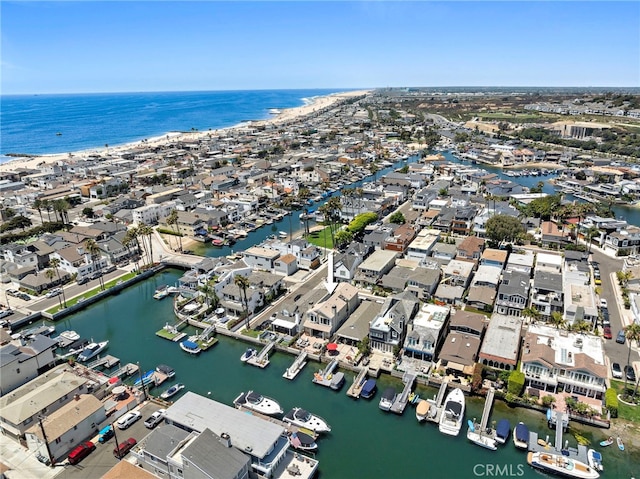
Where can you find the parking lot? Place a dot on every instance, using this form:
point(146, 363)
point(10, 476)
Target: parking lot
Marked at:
point(102, 459)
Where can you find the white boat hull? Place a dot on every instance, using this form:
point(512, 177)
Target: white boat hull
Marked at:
point(453, 413)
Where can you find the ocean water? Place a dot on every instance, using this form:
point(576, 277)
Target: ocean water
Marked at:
point(45, 124)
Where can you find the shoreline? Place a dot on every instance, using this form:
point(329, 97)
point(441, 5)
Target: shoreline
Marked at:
point(285, 115)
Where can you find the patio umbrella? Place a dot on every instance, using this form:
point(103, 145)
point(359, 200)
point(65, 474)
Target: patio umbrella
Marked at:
point(332, 347)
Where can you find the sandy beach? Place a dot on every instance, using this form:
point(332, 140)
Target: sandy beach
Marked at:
point(285, 115)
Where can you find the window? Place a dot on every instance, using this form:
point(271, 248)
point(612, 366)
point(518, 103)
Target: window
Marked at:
point(58, 440)
point(17, 370)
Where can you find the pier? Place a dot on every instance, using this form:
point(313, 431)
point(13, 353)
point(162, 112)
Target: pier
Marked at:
point(401, 401)
point(172, 332)
point(106, 362)
point(435, 408)
point(290, 428)
point(542, 445)
point(486, 412)
point(262, 359)
point(328, 378)
point(358, 381)
point(297, 366)
point(127, 370)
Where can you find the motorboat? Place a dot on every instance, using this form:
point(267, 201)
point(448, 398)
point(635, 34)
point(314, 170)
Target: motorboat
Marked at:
point(620, 443)
point(387, 399)
point(368, 389)
point(172, 391)
point(146, 379)
point(258, 403)
point(303, 442)
point(521, 436)
point(161, 293)
point(422, 409)
point(168, 371)
point(92, 350)
point(453, 413)
point(248, 354)
point(503, 428)
point(475, 436)
point(561, 465)
point(190, 347)
point(303, 418)
point(608, 442)
point(595, 459)
point(282, 234)
point(65, 338)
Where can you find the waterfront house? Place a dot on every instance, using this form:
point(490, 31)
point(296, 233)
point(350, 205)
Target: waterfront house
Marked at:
point(501, 344)
point(62, 430)
point(22, 360)
point(555, 359)
point(325, 317)
point(150, 214)
point(263, 441)
point(513, 293)
point(260, 257)
point(387, 330)
point(170, 451)
point(356, 327)
point(425, 334)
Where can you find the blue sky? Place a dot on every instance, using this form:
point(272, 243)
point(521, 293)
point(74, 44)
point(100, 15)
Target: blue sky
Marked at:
point(67, 47)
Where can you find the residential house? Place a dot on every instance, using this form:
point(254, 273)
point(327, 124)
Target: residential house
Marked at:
point(324, 318)
point(387, 330)
point(261, 258)
point(494, 257)
point(521, 262)
point(459, 351)
point(345, 264)
point(286, 264)
point(553, 359)
point(548, 293)
point(470, 248)
point(501, 345)
point(422, 282)
point(21, 361)
point(426, 332)
point(422, 246)
point(399, 241)
point(513, 293)
point(375, 266)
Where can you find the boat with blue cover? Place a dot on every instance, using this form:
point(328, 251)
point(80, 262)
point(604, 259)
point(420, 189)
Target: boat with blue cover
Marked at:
point(190, 347)
point(146, 378)
point(521, 436)
point(503, 428)
point(369, 389)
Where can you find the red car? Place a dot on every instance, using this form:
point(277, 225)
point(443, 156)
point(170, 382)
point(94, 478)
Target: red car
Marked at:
point(124, 447)
point(80, 452)
point(607, 333)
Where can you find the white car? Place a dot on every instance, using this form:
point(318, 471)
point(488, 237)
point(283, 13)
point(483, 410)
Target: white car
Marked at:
point(603, 303)
point(155, 419)
point(128, 419)
point(53, 292)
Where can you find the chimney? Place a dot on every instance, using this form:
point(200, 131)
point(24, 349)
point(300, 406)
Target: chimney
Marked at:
point(225, 439)
point(76, 397)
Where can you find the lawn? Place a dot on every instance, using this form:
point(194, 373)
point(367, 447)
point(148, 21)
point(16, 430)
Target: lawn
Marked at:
point(321, 238)
point(629, 413)
point(90, 293)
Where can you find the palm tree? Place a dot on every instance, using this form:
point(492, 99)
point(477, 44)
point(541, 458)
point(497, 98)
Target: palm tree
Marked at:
point(531, 313)
point(172, 220)
point(128, 240)
point(38, 204)
point(632, 333)
point(591, 233)
point(94, 251)
point(145, 231)
point(55, 263)
point(50, 274)
point(242, 282)
point(557, 320)
point(46, 204)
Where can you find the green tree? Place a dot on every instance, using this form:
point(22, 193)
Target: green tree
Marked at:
point(632, 333)
point(397, 218)
point(557, 319)
point(532, 313)
point(50, 275)
point(94, 252)
point(504, 228)
point(38, 205)
point(55, 264)
point(243, 283)
point(88, 212)
point(343, 238)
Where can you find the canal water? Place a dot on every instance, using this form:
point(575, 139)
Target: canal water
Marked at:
point(364, 442)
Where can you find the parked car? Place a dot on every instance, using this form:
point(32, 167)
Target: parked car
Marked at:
point(106, 433)
point(124, 447)
point(6, 312)
point(155, 419)
point(128, 419)
point(603, 303)
point(82, 279)
point(620, 338)
point(607, 332)
point(605, 318)
point(616, 371)
point(630, 373)
point(12, 292)
point(80, 452)
point(24, 296)
point(53, 292)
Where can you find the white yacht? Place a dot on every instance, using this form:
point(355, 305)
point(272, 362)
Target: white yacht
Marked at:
point(302, 418)
point(561, 465)
point(452, 413)
point(92, 350)
point(258, 403)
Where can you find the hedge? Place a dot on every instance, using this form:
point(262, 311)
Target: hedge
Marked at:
point(516, 383)
point(611, 401)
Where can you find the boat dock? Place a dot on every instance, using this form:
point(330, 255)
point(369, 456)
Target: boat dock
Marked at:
point(358, 381)
point(558, 418)
point(401, 401)
point(261, 360)
point(435, 408)
point(172, 332)
point(328, 378)
point(107, 362)
point(297, 366)
point(126, 370)
point(481, 428)
point(542, 445)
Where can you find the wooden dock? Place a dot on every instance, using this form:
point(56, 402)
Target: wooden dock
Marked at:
point(536, 445)
point(401, 401)
point(297, 366)
point(261, 360)
point(290, 428)
point(106, 362)
point(486, 412)
point(328, 377)
point(435, 405)
point(358, 381)
point(128, 369)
